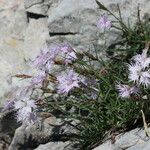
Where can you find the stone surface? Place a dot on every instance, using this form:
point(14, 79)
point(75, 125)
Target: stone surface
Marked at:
point(141, 146)
point(29, 3)
point(73, 21)
point(53, 146)
point(77, 18)
point(49, 130)
point(132, 140)
point(26, 25)
point(22, 40)
point(8, 124)
point(39, 6)
point(32, 135)
point(35, 37)
point(13, 22)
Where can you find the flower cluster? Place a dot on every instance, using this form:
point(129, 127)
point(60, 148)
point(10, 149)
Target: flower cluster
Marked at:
point(66, 80)
point(49, 57)
point(139, 74)
point(25, 107)
point(43, 63)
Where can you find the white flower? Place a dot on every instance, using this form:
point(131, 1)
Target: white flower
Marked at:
point(145, 78)
point(142, 60)
point(137, 74)
point(25, 103)
point(38, 79)
point(125, 91)
point(70, 57)
point(19, 104)
point(26, 115)
point(67, 81)
point(134, 72)
point(8, 105)
point(104, 23)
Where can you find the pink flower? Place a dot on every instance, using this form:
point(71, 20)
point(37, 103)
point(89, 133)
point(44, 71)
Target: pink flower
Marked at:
point(25, 103)
point(26, 115)
point(46, 58)
point(26, 108)
point(137, 74)
point(134, 72)
point(104, 23)
point(24, 92)
point(8, 105)
point(67, 81)
point(70, 57)
point(41, 60)
point(53, 52)
point(66, 52)
point(125, 90)
point(38, 79)
point(65, 48)
point(145, 78)
point(142, 60)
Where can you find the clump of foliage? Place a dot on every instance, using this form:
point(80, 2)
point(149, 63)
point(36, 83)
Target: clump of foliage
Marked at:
point(104, 97)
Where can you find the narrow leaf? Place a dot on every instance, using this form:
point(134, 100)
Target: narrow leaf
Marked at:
point(101, 6)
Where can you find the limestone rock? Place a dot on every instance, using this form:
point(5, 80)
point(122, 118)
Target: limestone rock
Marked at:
point(141, 146)
point(43, 131)
point(29, 3)
point(20, 41)
point(13, 22)
point(54, 146)
point(32, 135)
point(8, 124)
point(39, 6)
point(132, 140)
point(75, 21)
point(35, 37)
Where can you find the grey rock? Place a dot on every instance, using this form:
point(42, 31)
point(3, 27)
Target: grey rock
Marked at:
point(124, 141)
point(37, 6)
point(73, 19)
point(132, 140)
point(32, 135)
point(19, 25)
point(38, 9)
point(21, 41)
point(54, 146)
point(141, 146)
point(29, 3)
point(35, 36)
point(77, 18)
point(105, 146)
point(13, 22)
point(8, 124)
point(41, 132)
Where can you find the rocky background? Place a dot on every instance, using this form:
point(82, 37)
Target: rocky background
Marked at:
point(26, 25)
